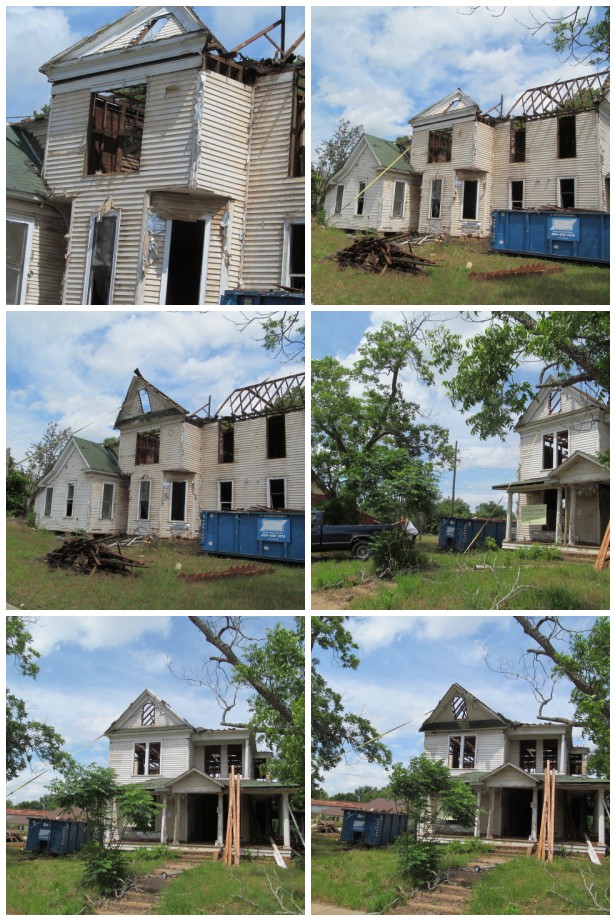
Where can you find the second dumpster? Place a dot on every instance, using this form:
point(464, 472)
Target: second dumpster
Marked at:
point(372, 828)
point(459, 533)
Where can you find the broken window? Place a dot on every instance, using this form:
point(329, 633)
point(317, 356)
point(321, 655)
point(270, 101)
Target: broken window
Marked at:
point(277, 493)
point(566, 137)
point(260, 768)
point(576, 764)
point(144, 496)
point(459, 707)
point(148, 713)
point(138, 764)
point(436, 199)
point(226, 440)
point(454, 752)
point(48, 500)
point(549, 753)
point(567, 196)
point(18, 245)
point(399, 199)
point(153, 763)
point(297, 127)
point(276, 436)
point(462, 752)
point(561, 446)
point(440, 146)
point(361, 197)
point(101, 259)
point(70, 498)
point(469, 752)
point(226, 495)
point(108, 495)
point(527, 756)
point(144, 402)
point(213, 760)
point(517, 140)
point(116, 130)
point(555, 401)
point(339, 197)
point(148, 447)
point(295, 275)
point(233, 757)
point(516, 194)
point(547, 451)
point(146, 759)
point(469, 208)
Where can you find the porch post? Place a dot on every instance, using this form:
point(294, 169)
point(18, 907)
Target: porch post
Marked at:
point(508, 534)
point(285, 820)
point(562, 765)
point(572, 516)
point(490, 816)
point(177, 801)
point(163, 823)
point(245, 769)
point(477, 819)
point(535, 813)
point(220, 840)
point(600, 810)
point(558, 517)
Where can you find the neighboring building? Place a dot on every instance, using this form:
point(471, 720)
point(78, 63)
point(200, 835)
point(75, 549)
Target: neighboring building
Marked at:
point(181, 164)
point(563, 487)
point(376, 188)
point(187, 770)
point(503, 761)
point(172, 464)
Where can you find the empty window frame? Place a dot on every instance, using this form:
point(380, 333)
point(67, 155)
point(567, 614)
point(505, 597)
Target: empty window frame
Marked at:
point(116, 130)
point(179, 493)
point(70, 499)
point(566, 137)
point(561, 447)
point(517, 189)
point(576, 764)
point(339, 198)
point(107, 501)
point(360, 208)
point(234, 757)
point(440, 146)
point(225, 495)
point(459, 707)
point(276, 489)
point(213, 760)
point(276, 437)
point(144, 401)
point(469, 207)
point(435, 205)
point(555, 401)
point(148, 447)
point(399, 199)
point(18, 248)
point(102, 252)
point(462, 752)
point(226, 440)
point(48, 501)
point(550, 749)
point(144, 499)
point(297, 127)
point(527, 755)
point(566, 189)
point(148, 713)
point(517, 140)
point(547, 451)
point(293, 256)
point(146, 758)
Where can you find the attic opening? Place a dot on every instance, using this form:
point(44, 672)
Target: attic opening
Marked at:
point(148, 713)
point(276, 436)
point(566, 137)
point(555, 401)
point(226, 440)
point(144, 401)
point(440, 146)
point(148, 447)
point(116, 130)
point(459, 707)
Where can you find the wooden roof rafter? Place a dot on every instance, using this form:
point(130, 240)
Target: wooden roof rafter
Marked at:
point(266, 398)
point(564, 97)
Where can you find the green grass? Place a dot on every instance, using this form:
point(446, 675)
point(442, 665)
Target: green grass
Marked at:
point(526, 886)
point(214, 888)
point(31, 585)
point(451, 583)
point(579, 283)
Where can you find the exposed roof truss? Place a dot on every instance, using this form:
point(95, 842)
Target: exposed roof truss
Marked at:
point(266, 398)
point(563, 98)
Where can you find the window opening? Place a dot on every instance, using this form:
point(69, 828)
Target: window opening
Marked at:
point(276, 436)
point(138, 767)
point(517, 141)
point(102, 259)
point(575, 764)
point(116, 130)
point(233, 757)
point(106, 511)
point(460, 708)
point(567, 193)
point(527, 756)
point(226, 440)
point(550, 750)
point(148, 713)
point(567, 137)
point(516, 195)
point(148, 447)
point(297, 128)
point(469, 751)
point(547, 451)
point(48, 500)
point(277, 493)
point(436, 198)
point(260, 768)
point(399, 199)
point(213, 760)
point(470, 199)
point(17, 234)
point(153, 763)
point(146, 759)
point(339, 197)
point(70, 499)
point(178, 501)
point(440, 146)
point(454, 752)
point(226, 495)
point(562, 447)
point(144, 401)
point(296, 257)
point(555, 401)
point(361, 198)
point(144, 494)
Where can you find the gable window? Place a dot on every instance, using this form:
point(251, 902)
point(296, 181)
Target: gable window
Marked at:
point(178, 500)
point(566, 137)
point(555, 401)
point(462, 752)
point(144, 401)
point(277, 493)
point(339, 197)
point(148, 447)
point(516, 194)
point(70, 499)
point(561, 442)
point(293, 258)
point(18, 247)
point(517, 141)
point(276, 436)
point(226, 440)
point(48, 500)
point(549, 753)
point(567, 193)
point(213, 760)
point(116, 130)
point(225, 495)
point(144, 497)
point(146, 759)
point(440, 146)
point(233, 758)
point(361, 197)
point(527, 756)
point(297, 126)
point(102, 249)
point(148, 713)
point(399, 199)
point(469, 208)
point(459, 707)
point(108, 498)
point(436, 199)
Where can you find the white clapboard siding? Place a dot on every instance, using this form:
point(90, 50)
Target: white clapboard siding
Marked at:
point(71, 471)
point(118, 522)
point(490, 746)
point(174, 755)
point(46, 266)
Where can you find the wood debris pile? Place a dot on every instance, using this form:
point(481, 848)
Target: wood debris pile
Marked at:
point(228, 573)
point(87, 555)
point(502, 274)
point(379, 254)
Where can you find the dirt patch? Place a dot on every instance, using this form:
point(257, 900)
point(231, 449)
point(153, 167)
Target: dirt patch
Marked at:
point(341, 598)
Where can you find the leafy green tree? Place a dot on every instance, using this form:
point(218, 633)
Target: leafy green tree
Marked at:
point(27, 739)
point(330, 156)
point(489, 509)
point(574, 347)
point(18, 486)
point(41, 457)
point(591, 654)
point(442, 509)
point(578, 40)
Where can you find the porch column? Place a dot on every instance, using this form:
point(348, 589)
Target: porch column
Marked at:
point(163, 823)
point(535, 813)
point(508, 534)
point(477, 819)
point(285, 820)
point(600, 814)
point(177, 801)
point(245, 769)
point(572, 516)
point(220, 839)
point(558, 517)
point(490, 816)
point(562, 765)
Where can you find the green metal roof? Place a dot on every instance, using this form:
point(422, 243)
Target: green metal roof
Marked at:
point(23, 166)
point(97, 457)
point(387, 152)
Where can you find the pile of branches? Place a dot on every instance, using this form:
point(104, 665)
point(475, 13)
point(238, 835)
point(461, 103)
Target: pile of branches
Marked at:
point(87, 555)
point(228, 573)
point(380, 254)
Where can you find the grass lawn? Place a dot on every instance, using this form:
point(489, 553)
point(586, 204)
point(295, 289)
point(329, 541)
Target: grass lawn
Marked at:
point(31, 585)
point(214, 888)
point(579, 283)
point(450, 582)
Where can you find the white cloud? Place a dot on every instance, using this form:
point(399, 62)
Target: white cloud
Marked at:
point(92, 633)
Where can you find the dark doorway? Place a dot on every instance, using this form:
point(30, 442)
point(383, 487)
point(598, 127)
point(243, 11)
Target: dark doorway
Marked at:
point(551, 503)
point(516, 812)
point(604, 498)
point(185, 262)
point(202, 818)
point(178, 501)
point(470, 199)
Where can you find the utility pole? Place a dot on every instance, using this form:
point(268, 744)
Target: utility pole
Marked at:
point(454, 480)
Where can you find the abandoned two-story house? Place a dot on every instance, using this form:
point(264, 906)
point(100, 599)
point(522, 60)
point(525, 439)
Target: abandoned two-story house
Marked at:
point(187, 768)
point(170, 464)
point(503, 761)
point(563, 485)
point(178, 166)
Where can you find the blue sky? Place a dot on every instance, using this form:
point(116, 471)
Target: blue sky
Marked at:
point(380, 65)
point(482, 463)
point(92, 668)
point(407, 663)
point(47, 30)
point(75, 367)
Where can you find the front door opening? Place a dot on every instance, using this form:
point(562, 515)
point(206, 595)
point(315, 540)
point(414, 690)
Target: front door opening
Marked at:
point(185, 262)
point(470, 199)
point(202, 818)
point(517, 813)
point(178, 501)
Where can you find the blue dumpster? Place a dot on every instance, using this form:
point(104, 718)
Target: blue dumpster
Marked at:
point(582, 235)
point(372, 828)
point(458, 533)
point(54, 836)
point(276, 535)
point(271, 298)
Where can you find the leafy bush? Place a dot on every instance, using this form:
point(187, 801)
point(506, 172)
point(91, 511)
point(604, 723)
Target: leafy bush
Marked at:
point(31, 519)
point(490, 544)
point(539, 552)
point(105, 870)
point(393, 552)
point(417, 861)
point(158, 851)
point(471, 846)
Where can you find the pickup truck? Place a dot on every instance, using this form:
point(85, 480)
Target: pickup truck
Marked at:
point(353, 537)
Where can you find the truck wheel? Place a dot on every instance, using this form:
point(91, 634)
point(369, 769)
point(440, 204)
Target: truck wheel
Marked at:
point(361, 551)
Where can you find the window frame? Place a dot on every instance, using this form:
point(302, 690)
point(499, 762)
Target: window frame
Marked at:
point(278, 437)
point(226, 433)
point(166, 257)
point(48, 501)
point(146, 758)
point(511, 197)
point(109, 517)
point(94, 165)
point(432, 199)
point(271, 479)
point(518, 150)
point(440, 146)
point(287, 251)
point(462, 753)
point(561, 179)
point(339, 199)
point(359, 203)
point(570, 139)
point(25, 257)
point(221, 503)
point(87, 283)
point(404, 186)
point(143, 482)
point(70, 498)
point(140, 451)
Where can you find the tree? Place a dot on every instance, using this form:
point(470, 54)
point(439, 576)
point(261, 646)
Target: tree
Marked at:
point(442, 509)
point(27, 739)
point(331, 156)
point(337, 733)
point(18, 486)
point(282, 333)
point(490, 509)
point(41, 457)
point(573, 347)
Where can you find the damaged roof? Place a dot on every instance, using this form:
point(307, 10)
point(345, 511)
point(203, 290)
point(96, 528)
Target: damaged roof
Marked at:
point(23, 165)
point(580, 94)
point(266, 398)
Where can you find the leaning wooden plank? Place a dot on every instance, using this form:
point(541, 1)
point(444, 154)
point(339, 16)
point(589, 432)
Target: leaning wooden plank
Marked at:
point(591, 851)
point(277, 855)
point(604, 549)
